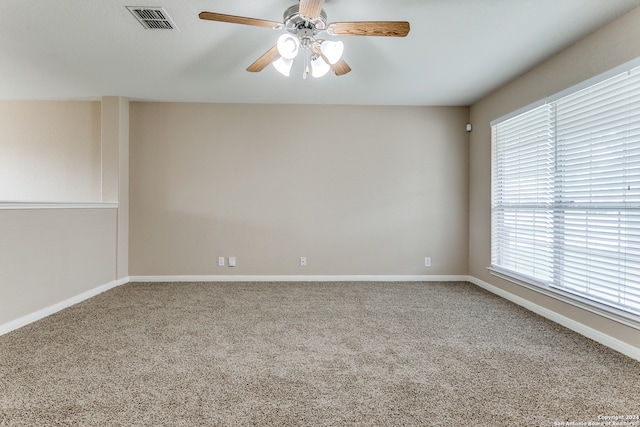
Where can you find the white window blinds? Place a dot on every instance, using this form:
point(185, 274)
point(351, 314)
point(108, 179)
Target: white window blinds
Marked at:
point(566, 195)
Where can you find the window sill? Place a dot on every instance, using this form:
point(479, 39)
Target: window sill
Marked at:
point(603, 310)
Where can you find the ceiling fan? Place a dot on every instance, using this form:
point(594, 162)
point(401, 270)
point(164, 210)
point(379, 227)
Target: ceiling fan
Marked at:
point(303, 22)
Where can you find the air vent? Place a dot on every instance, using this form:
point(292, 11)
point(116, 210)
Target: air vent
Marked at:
point(152, 18)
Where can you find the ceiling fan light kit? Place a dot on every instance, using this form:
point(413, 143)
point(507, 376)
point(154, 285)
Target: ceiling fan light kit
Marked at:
point(332, 50)
point(318, 67)
point(283, 65)
point(288, 46)
point(302, 23)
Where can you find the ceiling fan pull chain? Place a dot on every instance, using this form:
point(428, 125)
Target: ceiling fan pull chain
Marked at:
point(307, 61)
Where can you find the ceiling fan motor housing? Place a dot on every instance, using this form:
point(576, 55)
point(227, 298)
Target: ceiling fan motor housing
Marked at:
point(296, 23)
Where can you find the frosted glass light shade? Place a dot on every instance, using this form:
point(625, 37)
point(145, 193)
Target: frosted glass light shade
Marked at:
point(288, 46)
point(332, 50)
point(283, 65)
point(318, 67)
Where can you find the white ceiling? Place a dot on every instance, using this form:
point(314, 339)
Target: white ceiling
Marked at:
point(457, 50)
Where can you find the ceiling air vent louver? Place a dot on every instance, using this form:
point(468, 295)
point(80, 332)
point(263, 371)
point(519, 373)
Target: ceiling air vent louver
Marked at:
point(152, 18)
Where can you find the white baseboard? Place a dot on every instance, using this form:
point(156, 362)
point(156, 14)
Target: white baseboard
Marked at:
point(47, 311)
point(300, 278)
point(602, 338)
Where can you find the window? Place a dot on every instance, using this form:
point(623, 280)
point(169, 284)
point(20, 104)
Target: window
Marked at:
point(566, 196)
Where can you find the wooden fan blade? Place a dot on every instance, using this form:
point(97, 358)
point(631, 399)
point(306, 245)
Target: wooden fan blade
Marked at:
point(311, 8)
point(220, 17)
point(264, 61)
point(369, 28)
point(340, 68)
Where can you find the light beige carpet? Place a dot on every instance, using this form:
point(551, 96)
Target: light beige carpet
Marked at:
point(307, 354)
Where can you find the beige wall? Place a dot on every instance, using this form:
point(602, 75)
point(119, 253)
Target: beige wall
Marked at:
point(50, 151)
point(368, 191)
point(50, 255)
point(62, 151)
point(613, 45)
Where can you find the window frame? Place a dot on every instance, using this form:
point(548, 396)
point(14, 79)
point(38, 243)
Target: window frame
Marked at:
point(540, 286)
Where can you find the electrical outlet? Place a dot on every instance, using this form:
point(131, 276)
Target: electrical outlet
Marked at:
point(220, 261)
point(427, 261)
point(232, 261)
point(303, 261)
